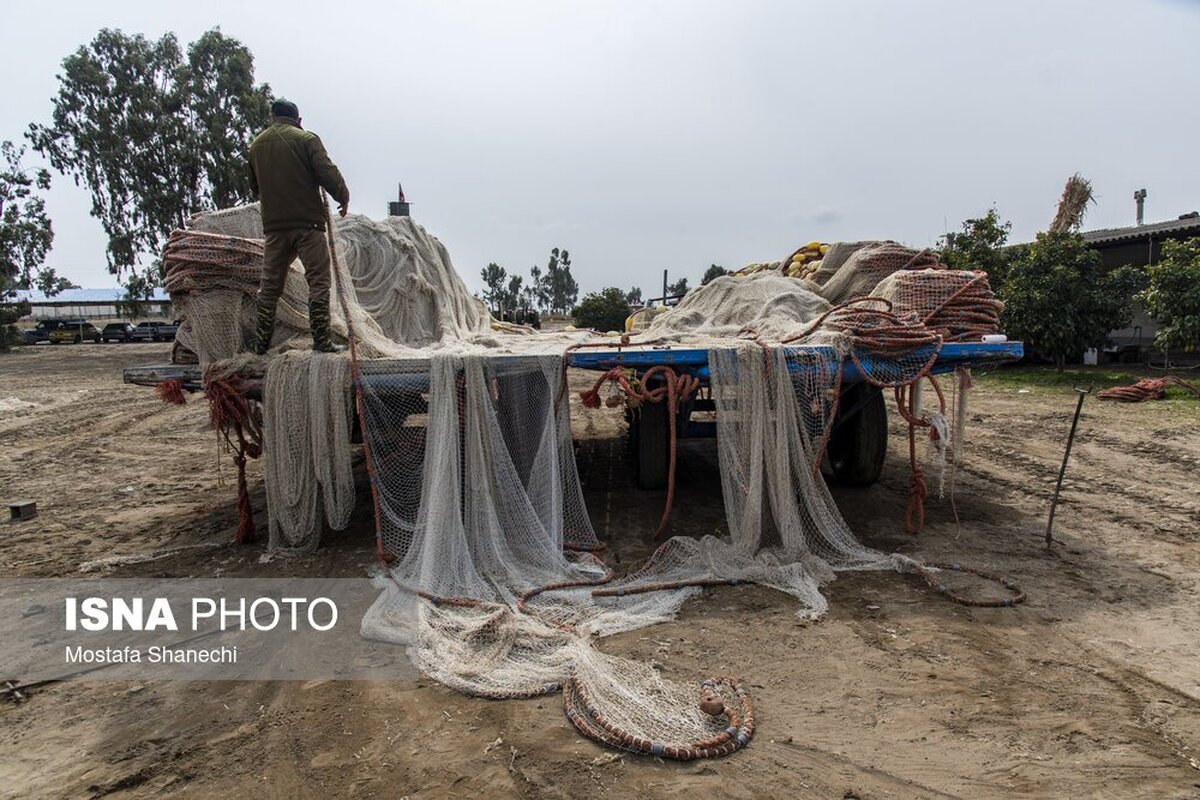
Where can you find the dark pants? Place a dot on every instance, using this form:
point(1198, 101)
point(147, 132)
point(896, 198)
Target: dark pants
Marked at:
point(280, 249)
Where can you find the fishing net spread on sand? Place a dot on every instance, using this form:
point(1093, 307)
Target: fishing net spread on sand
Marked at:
point(490, 571)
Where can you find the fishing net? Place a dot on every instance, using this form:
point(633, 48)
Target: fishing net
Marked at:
point(867, 265)
point(308, 469)
point(833, 259)
point(212, 280)
point(766, 304)
point(492, 582)
point(490, 571)
point(958, 304)
point(406, 293)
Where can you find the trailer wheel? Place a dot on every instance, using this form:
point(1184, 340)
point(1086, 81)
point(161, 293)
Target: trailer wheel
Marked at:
point(653, 439)
point(858, 443)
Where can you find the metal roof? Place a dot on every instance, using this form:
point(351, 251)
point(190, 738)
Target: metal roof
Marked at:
point(112, 295)
point(1172, 227)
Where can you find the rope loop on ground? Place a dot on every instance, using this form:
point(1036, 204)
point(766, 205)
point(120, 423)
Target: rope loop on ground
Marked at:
point(1147, 389)
point(929, 570)
point(720, 696)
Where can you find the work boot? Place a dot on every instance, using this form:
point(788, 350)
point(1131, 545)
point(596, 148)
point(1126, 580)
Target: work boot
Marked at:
point(318, 323)
point(265, 328)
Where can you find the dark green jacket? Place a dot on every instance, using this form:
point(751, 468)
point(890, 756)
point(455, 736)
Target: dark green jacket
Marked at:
point(287, 165)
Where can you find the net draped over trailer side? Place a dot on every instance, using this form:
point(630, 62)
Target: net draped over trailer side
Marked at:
point(491, 579)
point(490, 571)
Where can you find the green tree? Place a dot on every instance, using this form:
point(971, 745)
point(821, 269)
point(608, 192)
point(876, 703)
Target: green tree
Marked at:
point(560, 285)
point(634, 296)
point(713, 272)
point(512, 293)
point(155, 135)
point(1059, 300)
point(529, 298)
point(603, 311)
point(980, 246)
point(1173, 296)
point(25, 238)
point(494, 276)
point(539, 288)
point(678, 289)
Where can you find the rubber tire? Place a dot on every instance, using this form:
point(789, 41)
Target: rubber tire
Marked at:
point(78, 338)
point(858, 445)
point(653, 441)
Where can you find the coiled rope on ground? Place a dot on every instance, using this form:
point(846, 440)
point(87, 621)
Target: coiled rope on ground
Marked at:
point(1147, 389)
point(721, 696)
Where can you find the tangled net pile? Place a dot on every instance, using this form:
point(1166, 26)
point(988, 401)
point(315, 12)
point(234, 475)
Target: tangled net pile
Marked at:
point(866, 265)
point(213, 280)
point(405, 295)
point(958, 305)
point(492, 575)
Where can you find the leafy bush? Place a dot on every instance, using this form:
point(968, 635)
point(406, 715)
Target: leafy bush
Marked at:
point(603, 311)
point(980, 246)
point(1059, 300)
point(1173, 296)
point(713, 272)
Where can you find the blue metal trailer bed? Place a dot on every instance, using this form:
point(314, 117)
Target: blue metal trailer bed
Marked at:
point(856, 448)
point(695, 362)
point(858, 442)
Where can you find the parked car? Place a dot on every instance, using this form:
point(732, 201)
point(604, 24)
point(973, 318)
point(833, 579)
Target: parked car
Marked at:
point(145, 332)
point(156, 331)
point(75, 331)
point(167, 330)
point(117, 332)
point(41, 331)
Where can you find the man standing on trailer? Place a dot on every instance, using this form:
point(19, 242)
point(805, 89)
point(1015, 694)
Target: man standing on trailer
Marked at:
point(288, 168)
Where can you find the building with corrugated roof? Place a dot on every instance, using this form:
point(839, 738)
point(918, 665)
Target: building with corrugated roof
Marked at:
point(1140, 246)
point(94, 304)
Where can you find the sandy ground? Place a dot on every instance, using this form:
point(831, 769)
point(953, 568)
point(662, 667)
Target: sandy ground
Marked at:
point(1091, 689)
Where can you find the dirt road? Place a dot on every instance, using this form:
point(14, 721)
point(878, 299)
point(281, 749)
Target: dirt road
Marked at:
point(1090, 689)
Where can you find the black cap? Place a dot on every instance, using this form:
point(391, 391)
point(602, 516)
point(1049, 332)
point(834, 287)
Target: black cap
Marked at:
point(284, 108)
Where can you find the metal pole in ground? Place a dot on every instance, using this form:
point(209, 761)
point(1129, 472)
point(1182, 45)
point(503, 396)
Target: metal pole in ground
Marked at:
point(1062, 470)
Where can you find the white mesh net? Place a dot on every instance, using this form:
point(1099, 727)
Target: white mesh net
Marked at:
point(307, 452)
point(490, 583)
point(491, 577)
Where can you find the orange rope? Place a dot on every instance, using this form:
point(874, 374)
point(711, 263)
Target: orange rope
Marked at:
point(1146, 389)
point(914, 514)
point(171, 392)
point(233, 417)
point(675, 389)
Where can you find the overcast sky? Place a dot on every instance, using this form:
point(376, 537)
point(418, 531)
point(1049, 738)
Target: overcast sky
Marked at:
point(649, 135)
